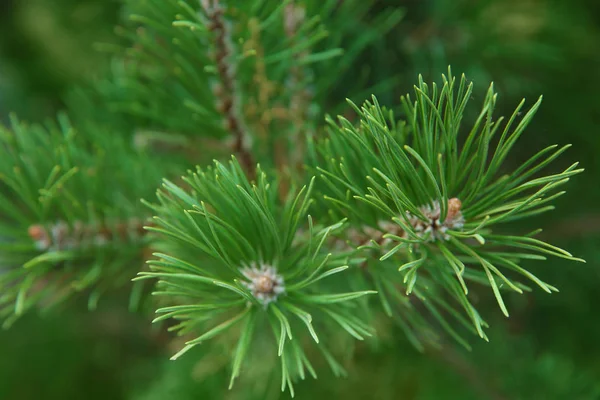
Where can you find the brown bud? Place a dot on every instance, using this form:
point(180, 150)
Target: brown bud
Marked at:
point(264, 284)
point(454, 205)
point(37, 232)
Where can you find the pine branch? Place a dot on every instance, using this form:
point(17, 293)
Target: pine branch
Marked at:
point(229, 105)
point(61, 232)
point(438, 203)
point(252, 272)
point(60, 236)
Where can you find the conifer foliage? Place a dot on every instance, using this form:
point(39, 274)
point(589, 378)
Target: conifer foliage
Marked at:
point(291, 231)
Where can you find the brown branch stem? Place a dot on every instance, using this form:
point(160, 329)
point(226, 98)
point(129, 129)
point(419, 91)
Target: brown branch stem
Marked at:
point(226, 93)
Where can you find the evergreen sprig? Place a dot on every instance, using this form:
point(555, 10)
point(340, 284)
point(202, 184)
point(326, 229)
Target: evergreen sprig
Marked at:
point(425, 194)
point(232, 256)
point(239, 73)
point(253, 78)
point(68, 214)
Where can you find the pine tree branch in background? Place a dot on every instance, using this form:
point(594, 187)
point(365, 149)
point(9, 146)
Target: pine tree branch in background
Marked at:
point(226, 93)
point(62, 234)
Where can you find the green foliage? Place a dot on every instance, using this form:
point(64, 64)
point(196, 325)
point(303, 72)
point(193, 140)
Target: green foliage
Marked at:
point(426, 205)
point(436, 196)
point(252, 273)
point(69, 214)
point(255, 74)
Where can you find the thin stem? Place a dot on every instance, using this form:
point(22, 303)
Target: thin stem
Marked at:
point(61, 236)
point(226, 92)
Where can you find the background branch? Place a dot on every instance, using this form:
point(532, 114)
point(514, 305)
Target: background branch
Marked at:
point(226, 92)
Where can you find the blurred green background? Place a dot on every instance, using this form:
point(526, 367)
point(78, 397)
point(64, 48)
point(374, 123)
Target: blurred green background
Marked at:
point(550, 346)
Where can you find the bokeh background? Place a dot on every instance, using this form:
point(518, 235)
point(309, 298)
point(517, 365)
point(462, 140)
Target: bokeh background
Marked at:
point(550, 346)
